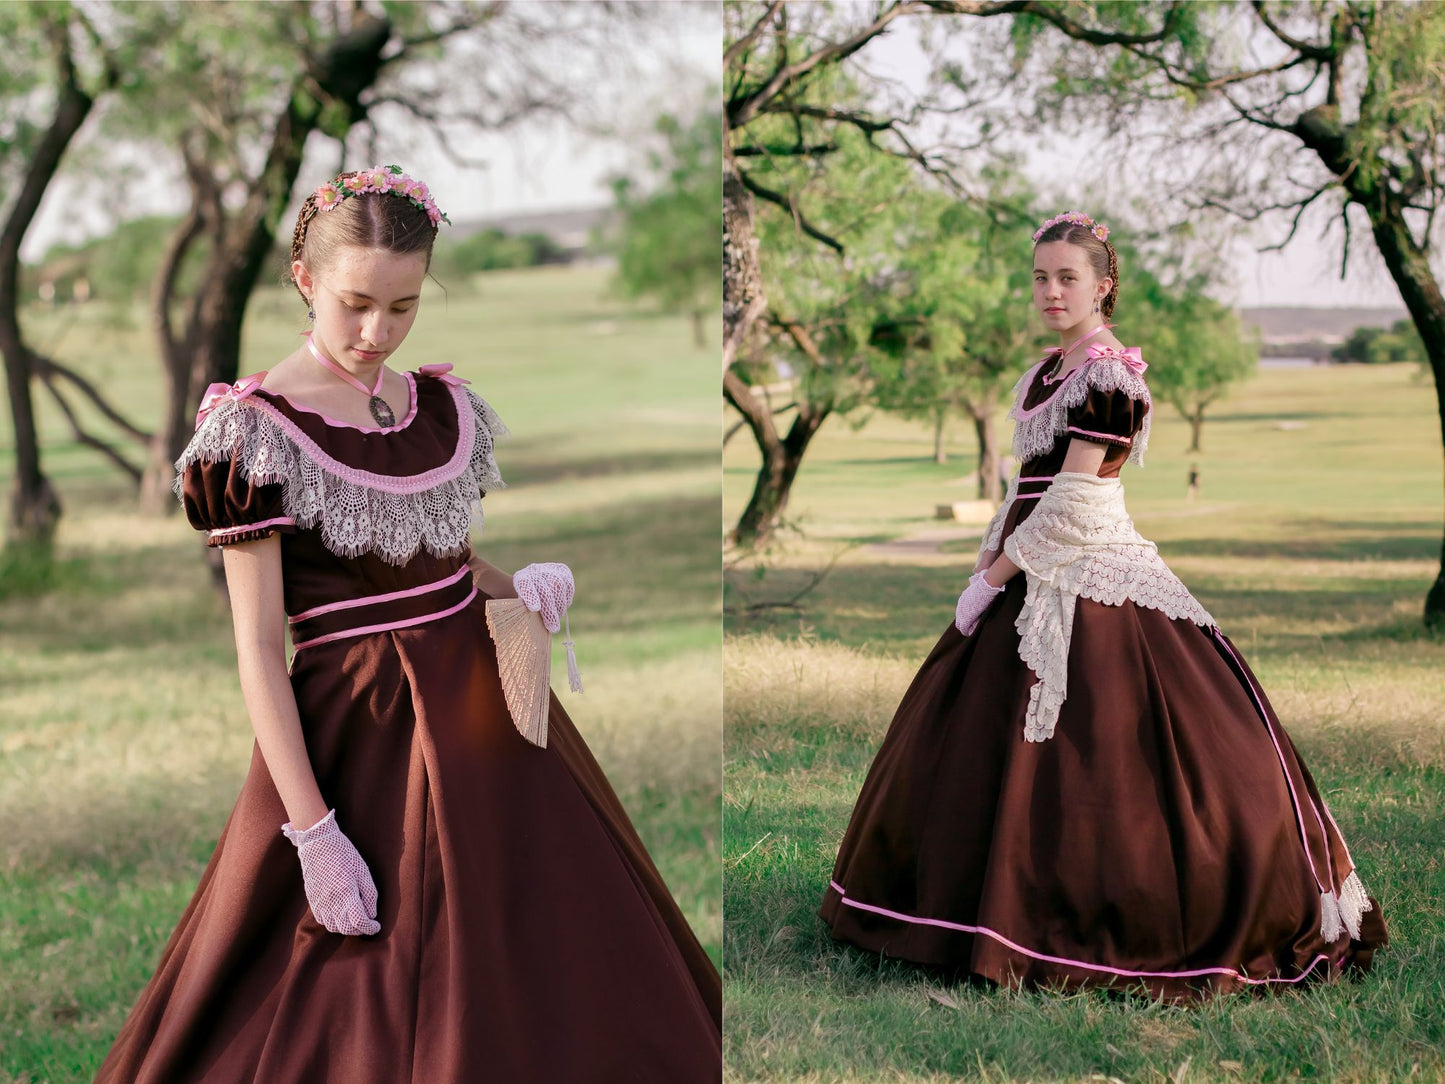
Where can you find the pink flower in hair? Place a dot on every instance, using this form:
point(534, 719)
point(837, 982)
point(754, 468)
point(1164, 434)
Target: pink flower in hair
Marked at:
point(411, 188)
point(1098, 229)
point(377, 179)
point(327, 197)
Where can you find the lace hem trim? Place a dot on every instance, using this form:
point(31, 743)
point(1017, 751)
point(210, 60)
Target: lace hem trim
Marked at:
point(357, 511)
point(1036, 430)
point(1341, 912)
point(1079, 542)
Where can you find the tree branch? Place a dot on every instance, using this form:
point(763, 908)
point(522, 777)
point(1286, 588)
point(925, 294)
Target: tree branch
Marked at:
point(742, 111)
point(48, 369)
point(1050, 14)
point(1299, 45)
point(791, 207)
point(741, 45)
point(81, 436)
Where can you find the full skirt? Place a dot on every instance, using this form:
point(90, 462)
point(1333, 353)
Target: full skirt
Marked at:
point(525, 934)
point(1168, 836)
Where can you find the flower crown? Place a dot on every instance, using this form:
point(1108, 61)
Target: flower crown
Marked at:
point(388, 180)
point(1098, 229)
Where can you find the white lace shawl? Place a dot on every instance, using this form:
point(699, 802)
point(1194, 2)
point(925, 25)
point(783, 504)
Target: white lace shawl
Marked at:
point(358, 511)
point(1036, 429)
point(1080, 541)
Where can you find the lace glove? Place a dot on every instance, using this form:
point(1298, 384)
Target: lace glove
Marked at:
point(977, 597)
point(547, 589)
point(338, 884)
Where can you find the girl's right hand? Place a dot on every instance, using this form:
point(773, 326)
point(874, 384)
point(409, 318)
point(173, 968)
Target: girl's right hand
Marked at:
point(977, 597)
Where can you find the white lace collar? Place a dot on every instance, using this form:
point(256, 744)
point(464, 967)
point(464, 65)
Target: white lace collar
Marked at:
point(1107, 369)
point(357, 511)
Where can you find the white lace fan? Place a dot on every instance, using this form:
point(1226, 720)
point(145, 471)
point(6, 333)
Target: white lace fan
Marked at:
point(524, 661)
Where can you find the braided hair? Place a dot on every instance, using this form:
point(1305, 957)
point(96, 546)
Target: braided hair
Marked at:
point(366, 220)
point(1102, 257)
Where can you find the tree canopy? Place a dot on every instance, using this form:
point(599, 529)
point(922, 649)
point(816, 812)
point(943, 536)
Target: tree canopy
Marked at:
point(669, 244)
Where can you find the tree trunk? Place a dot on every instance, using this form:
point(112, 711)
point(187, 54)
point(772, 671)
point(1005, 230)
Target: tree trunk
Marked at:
point(781, 458)
point(334, 82)
point(34, 504)
point(743, 296)
point(940, 453)
point(774, 483)
point(1322, 131)
point(1196, 428)
point(990, 485)
point(175, 424)
point(1410, 268)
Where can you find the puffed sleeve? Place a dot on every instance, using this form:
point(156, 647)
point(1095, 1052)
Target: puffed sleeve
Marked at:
point(213, 481)
point(221, 501)
point(1107, 417)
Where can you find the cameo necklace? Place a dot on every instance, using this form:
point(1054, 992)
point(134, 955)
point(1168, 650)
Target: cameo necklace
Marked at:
point(380, 410)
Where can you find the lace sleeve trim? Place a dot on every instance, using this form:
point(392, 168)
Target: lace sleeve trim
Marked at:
point(1036, 430)
point(357, 511)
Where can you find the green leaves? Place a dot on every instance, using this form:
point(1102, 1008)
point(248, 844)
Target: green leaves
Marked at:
point(670, 243)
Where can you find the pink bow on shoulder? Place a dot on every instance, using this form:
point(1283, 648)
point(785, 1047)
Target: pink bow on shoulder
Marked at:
point(217, 394)
point(442, 370)
point(1131, 356)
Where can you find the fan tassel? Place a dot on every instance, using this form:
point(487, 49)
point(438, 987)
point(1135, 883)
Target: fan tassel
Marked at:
point(574, 676)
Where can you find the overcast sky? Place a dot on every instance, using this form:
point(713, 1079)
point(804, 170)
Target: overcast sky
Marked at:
point(535, 167)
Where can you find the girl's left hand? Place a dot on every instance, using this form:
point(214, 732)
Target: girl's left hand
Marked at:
point(546, 589)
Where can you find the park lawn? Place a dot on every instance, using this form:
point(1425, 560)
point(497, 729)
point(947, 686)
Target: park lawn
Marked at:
point(1314, 539)
point(124, 740)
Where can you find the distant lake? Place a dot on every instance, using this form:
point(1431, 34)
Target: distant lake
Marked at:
point(1290, 363)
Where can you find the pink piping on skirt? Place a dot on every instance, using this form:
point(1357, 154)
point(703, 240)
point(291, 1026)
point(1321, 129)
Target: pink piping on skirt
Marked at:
point(1299, 817)
point(964, 928)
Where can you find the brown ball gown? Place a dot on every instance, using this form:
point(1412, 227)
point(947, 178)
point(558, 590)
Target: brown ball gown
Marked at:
point(525, 934)
point(1166, 835)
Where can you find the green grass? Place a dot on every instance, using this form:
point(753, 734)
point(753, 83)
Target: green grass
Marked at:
point(123, 739)
point(1312, 545)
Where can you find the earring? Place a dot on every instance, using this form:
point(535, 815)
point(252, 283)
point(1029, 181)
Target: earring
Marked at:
point(1096, 308)
point(311, 311)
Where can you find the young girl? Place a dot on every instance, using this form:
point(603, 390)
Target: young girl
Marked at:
point(1085, 785)
point(406, 890)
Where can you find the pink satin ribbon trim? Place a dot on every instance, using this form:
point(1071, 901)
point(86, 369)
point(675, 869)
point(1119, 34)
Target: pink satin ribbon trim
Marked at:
point(336, 368)
point(217, 394)
point(1110, 437)
point(1001, 939)
point(441, 370)
point(1131, 356)
point(278, 521)
point(387, 626)
point(368, 600)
